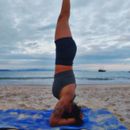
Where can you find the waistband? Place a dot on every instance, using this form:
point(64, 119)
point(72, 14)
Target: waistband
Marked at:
point(64, 74)
point(64, 38)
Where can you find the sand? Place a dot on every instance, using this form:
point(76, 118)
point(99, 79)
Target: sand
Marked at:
point(116, 98)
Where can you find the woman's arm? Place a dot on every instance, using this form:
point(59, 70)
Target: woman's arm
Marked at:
point(62, 121)
point(56, 117)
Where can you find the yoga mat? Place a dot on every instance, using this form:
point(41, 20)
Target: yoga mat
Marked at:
point(23, 119)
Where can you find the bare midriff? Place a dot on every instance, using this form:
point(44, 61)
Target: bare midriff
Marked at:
point(61, 68)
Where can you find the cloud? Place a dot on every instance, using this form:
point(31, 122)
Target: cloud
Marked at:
point(100, 28)
point(34, 48)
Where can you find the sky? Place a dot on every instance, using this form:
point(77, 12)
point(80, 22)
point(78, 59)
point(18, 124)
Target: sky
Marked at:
point(101, 30)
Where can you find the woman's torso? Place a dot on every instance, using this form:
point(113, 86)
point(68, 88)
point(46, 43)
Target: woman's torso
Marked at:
point(62, 68)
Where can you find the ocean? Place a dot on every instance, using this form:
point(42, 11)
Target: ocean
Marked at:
point(45, 77)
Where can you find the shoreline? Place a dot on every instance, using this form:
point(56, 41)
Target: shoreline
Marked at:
point(88, 85)
point(115, 98)
point(110, 85)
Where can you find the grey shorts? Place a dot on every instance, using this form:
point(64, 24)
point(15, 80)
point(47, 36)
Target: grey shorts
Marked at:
point(62, 79)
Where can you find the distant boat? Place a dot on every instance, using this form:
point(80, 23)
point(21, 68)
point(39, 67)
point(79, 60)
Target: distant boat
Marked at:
point(101, 70)
point(128, 71)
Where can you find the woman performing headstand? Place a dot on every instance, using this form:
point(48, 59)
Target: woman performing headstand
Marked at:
point(66, 112)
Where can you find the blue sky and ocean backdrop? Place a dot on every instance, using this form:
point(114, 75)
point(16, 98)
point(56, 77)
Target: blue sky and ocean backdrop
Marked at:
point(100, 28)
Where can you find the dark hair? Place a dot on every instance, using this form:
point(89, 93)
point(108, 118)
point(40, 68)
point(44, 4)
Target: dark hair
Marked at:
point(75, 113)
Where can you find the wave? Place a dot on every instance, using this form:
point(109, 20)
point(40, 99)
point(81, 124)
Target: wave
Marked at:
point(5, 70)
point(87, 78)
point(102, 78)
point(23, 78)
point(80, 78)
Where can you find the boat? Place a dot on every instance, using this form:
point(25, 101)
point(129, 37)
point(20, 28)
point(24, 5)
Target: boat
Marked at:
point(101, 70)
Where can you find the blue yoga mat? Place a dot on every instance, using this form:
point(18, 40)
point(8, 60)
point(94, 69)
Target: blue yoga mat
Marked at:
point(22, 119)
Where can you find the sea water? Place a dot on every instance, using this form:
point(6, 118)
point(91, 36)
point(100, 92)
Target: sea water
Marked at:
point(46, 77)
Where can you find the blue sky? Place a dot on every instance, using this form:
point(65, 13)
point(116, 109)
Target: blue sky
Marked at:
point(100, 28)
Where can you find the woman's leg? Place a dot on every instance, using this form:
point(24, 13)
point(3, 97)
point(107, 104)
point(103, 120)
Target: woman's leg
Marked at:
point(63, 30)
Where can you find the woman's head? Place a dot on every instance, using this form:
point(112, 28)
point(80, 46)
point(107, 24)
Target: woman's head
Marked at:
point(74, 112)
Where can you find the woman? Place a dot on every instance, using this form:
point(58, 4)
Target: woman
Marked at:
point(66, 112)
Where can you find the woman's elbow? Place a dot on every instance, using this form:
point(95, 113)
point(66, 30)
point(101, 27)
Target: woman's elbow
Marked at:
point(53, 122)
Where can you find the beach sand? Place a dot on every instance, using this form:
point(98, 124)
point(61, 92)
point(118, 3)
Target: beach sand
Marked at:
point(116, 98)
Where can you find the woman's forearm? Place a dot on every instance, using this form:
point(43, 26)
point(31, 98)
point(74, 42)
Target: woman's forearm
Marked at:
point(65, 10)
point(61, 121)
